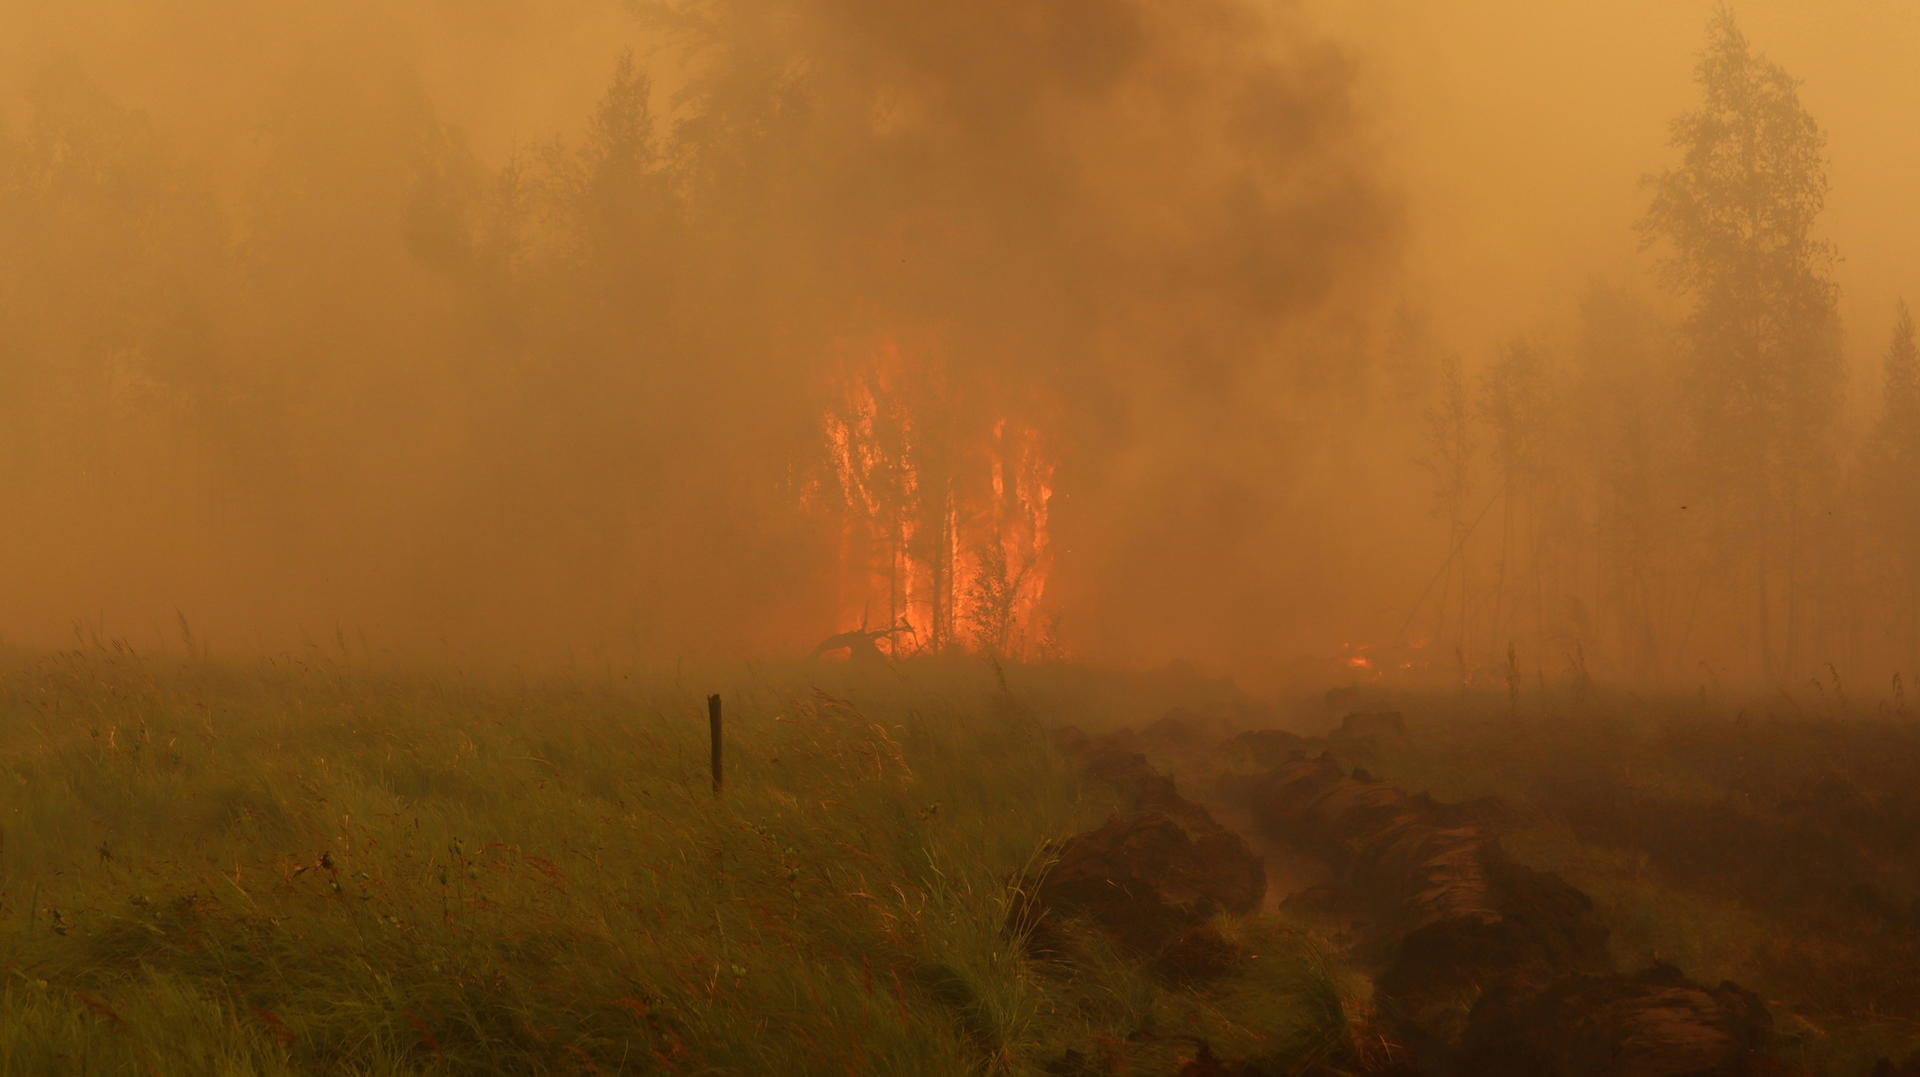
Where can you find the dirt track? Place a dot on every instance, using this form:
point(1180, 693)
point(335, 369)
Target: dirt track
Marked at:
point(1481, 964)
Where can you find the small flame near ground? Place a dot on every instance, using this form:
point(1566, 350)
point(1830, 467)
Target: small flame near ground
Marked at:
point(944, 538)
point(1386, 659)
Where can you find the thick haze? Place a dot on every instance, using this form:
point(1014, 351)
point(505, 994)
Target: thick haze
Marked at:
point(1520, 132)
point(509, 327)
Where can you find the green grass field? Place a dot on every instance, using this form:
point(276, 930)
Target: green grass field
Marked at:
point(310, 866)
point(297, 867)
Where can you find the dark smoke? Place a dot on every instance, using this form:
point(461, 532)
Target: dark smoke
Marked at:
point(303, 356)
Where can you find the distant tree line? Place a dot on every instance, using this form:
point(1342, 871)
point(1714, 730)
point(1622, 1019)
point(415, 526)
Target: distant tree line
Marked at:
point(1680, 490)
point(370, 361)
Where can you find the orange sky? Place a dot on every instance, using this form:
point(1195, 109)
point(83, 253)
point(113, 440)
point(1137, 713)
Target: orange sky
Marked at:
point(1521, 129)
point(1513, 135)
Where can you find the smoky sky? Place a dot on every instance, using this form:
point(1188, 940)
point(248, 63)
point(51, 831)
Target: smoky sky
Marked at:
point(508, 329)
point(312, 327)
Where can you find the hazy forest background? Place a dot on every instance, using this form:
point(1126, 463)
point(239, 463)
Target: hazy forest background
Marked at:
point(435, 333)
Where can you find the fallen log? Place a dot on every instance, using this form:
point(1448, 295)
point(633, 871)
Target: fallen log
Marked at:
point(1656, 1023)
point(1487, 966)
point(1151, 876)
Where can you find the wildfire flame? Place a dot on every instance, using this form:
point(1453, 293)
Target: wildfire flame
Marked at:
point(944, 531)
point(1357, 656)
point(1366, 658)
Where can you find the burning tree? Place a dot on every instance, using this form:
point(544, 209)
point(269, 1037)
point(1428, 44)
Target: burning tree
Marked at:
point(943, 522)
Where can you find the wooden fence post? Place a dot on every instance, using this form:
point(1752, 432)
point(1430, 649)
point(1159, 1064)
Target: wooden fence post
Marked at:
point(713, 727)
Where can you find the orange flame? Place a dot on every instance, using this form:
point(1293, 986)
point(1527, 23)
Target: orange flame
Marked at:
point(1357, 655)
point(943, 535)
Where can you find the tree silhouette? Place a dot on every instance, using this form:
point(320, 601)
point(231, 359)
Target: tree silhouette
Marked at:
point(1625, 435)
point(1890, 466)
point(1736, 217)
point(1449, 457)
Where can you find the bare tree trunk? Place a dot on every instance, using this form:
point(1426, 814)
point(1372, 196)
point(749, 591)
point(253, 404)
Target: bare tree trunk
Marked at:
point(942, 573)
point(1796, 539)
point(1913, 615)
point(895, 555)
point(1764, 621)
point(1506, 543)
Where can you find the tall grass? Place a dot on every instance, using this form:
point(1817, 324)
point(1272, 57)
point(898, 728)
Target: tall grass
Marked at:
point(273, 868)
point(294, 867)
